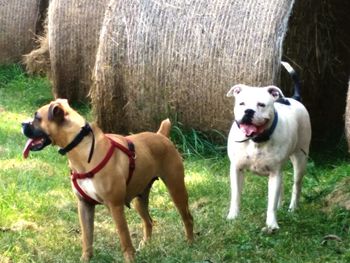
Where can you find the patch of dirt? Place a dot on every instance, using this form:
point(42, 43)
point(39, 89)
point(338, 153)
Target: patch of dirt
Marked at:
point(340, 196)
point(200, 203)
point(4, 259)
point(2, 151)
point(19, 226)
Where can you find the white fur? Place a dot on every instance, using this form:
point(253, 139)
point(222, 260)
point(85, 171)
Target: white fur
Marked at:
point(290, 139)
point(88, 187)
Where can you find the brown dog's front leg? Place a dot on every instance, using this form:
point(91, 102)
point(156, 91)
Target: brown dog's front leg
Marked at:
point(123, 231)
point(86, 217)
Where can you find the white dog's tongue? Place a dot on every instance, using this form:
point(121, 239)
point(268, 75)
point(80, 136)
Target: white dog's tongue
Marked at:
point(26, 149)
point(248, 129)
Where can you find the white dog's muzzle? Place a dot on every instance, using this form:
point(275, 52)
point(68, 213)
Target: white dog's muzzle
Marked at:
point(261, 137)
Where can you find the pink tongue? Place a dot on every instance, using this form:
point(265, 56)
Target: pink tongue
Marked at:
point(27, 148)
point(248, 129)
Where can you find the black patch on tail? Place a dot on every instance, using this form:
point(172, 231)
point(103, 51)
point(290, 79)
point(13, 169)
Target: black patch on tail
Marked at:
point(295, 79)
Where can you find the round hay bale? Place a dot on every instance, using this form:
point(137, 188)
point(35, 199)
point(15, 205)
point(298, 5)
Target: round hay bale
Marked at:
point(18, 20)
point(317, 44)
point(179, 58)
point(73, 32)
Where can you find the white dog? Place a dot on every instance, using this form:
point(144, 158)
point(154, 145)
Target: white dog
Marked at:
point(268, 129)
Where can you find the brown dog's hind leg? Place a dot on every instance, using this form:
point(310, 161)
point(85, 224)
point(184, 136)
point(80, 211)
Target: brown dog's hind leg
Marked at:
point(175, 183)
point(86, 217)
point(117, 212)
point(141, 206)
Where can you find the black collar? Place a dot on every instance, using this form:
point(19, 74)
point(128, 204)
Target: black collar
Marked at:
point(85, 131)
point(265, 136)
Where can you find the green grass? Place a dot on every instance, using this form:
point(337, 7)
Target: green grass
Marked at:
point(39, 222)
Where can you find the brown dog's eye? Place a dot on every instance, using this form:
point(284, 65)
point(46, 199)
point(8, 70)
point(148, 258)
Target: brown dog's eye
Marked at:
point(37, 117)
point(262, 105)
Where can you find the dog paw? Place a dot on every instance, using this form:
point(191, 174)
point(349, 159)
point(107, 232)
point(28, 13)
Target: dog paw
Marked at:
point(270, 230)
point(232, 216)
point(85, 257)
point(292, 209)
point(129, 257)
point(142, 244)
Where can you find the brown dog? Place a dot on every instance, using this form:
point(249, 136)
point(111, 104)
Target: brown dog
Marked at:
point(111, 169)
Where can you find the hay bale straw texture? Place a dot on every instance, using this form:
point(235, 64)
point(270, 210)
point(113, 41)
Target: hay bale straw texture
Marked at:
point(18, 21)
point(175, 57)
point(73, 32)
point(317, 44)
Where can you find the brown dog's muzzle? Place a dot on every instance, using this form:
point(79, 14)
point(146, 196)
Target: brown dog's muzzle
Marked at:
point(37, 141)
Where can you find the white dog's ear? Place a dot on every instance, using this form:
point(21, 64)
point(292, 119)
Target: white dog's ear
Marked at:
point(236, 89)
point(275, 92)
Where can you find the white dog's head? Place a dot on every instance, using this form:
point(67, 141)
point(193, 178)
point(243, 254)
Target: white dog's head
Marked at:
point(254, 107)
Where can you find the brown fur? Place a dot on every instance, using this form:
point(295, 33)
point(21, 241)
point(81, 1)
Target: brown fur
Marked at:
point(156, 156)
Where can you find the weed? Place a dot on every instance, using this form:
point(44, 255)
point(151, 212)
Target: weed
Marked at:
point(192, 142)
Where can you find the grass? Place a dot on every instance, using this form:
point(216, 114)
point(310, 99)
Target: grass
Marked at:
point(39, 222)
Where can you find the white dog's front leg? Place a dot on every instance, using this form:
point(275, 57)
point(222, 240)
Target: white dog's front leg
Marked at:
point(236, 181)
point(275, 182)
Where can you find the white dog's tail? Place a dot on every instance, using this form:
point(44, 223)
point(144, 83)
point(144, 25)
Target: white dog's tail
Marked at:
point(295, 78)
point(164, 128)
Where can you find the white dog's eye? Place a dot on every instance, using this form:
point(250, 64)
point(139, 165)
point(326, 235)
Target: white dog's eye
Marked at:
point(242, 104)
point(262, 105)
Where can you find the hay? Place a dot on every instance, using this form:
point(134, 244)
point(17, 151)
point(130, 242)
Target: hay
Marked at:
point(18, 20)
point(179, 58)
point(73, 32)
point(317, 44)
point(41, 25)
point(38, 60)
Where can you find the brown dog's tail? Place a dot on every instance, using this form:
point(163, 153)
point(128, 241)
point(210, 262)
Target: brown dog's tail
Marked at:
point(164, 128)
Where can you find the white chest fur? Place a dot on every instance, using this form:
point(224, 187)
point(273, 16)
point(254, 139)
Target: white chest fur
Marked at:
point(88, 187)
point(260, 160)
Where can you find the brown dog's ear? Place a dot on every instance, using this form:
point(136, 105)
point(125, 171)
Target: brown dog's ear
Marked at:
point(56, 112)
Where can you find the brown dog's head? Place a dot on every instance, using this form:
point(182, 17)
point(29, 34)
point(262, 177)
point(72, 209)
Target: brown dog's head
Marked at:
point(55, 123)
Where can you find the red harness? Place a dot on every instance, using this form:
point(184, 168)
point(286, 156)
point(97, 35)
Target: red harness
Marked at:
point(130, 152)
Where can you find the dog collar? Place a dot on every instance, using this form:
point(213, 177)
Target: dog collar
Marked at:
point(264, 136)
point(85, 130)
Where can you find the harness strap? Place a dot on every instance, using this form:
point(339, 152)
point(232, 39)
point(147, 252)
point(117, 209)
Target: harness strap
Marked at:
point(83, 194)
point(130, 152)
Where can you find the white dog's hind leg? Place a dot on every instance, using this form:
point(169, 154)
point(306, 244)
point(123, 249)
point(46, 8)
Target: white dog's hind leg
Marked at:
point(236, 181)
point(280, 199)
point(299, 160)
point(274, 185)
